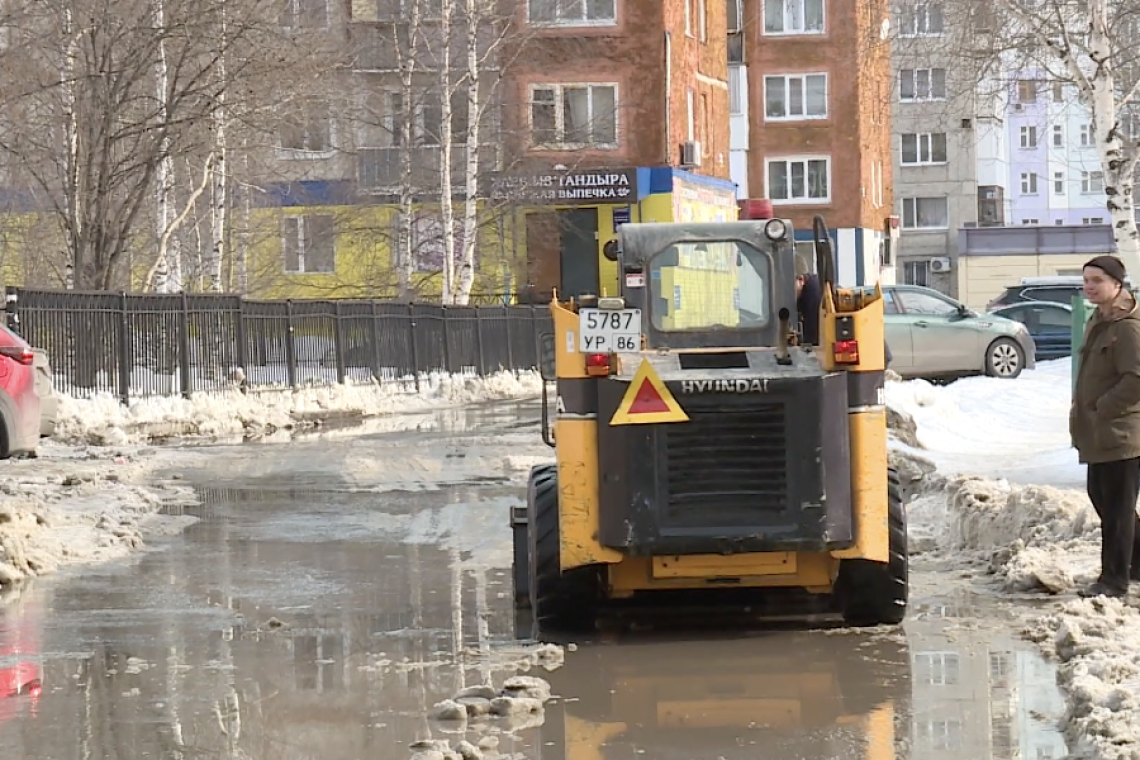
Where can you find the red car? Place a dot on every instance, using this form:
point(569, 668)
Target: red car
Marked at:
point(20, 408)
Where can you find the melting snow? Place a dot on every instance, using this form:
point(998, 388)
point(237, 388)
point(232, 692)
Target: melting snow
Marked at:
point(1008, 496)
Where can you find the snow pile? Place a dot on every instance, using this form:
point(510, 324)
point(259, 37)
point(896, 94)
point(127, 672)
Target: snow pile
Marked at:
point(1028, 533)
point(60, 512)
point(102, 420)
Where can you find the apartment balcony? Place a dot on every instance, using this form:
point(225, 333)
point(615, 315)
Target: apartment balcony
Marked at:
point(380, 171)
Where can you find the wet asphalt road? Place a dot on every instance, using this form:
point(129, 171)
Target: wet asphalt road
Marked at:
point(334, 589)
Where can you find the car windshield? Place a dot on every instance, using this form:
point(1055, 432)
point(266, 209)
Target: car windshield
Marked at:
point(710, 285)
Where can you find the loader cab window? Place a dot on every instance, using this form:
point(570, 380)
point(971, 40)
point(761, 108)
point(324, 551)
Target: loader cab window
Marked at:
point(714, 285)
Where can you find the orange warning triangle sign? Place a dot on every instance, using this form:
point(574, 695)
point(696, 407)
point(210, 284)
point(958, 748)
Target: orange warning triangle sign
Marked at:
point(647, 401)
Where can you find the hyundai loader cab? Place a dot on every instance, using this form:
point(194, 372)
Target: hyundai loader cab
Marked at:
point(702, 454)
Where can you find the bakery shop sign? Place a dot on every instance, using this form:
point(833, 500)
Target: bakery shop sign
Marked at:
point(570, 188)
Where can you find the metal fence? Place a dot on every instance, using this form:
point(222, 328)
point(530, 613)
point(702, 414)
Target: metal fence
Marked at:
point(147, 345)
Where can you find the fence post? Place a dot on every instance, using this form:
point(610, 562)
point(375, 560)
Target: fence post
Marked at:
point(1082, 310)
point(510, 348)
point(446, 340)
point(242, 348)
point(412, 343)
point(376, 358)
point(184, 346)
point(479, 341)
point(338, 343)
point(124, 355)
point(290, 349)
point(535, 332)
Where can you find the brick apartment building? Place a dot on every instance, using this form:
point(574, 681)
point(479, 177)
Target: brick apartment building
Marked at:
point(811, 129)
point(598, 92)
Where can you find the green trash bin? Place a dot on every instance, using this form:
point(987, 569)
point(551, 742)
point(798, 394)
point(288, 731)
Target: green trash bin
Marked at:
point(1082, 311)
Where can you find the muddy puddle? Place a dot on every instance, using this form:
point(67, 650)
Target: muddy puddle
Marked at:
point(319, 609)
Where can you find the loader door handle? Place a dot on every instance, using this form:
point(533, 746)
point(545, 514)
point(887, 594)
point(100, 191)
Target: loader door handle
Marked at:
point(922, 324)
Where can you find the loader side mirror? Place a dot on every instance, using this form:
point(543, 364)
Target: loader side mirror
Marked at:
point(546, 368)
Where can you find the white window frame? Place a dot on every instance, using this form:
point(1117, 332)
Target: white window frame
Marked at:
point(1058, 183)
point(1058, 136)
point(924, 143)
point(785, 32)
point(1031, 222)
point(786, 82)
point(918, 15)
point(1028, 137)
point(914, 203)
point(300, 228)
point(1092, 220)
point(931, 98)
point(736, 94)
point(579, 20)
point(295, 7)
point(1029, 183)
point(788, 161)
point(560, 117)
point(1088, 180)
point(1087, 139)
point(302, 154)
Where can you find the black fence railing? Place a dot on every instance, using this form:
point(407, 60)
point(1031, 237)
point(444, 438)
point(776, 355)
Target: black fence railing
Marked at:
point(149, 345)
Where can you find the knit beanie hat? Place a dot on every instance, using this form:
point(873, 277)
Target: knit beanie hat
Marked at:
point(1110, 265)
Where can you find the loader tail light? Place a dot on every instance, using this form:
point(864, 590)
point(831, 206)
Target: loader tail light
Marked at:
point(18, 354)
point(846, 352)
point(597, 365)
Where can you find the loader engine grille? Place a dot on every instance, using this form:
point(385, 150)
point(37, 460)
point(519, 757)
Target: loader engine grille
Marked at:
point(726, 461)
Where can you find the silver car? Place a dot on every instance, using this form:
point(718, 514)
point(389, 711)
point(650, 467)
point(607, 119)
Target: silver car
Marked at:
point(933, 336)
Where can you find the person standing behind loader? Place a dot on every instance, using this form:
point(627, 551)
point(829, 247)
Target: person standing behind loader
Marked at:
point(1104, 421)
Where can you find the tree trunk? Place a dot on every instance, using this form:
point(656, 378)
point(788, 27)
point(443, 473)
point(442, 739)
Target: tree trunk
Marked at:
point(471, 151)
point(220, 201)
point(407, 257)
point(446, 209)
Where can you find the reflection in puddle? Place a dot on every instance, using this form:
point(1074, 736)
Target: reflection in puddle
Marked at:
point(292, 623)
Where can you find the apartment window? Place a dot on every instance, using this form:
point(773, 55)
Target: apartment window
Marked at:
point(574, 115)
point(1029, 183)
point(925, 213)
point(1058, 92)
point(1032, 222)
point(431, 120)
point(939, 735)
point(922, 19)
point(735, 89)
point(1058, 136)
point(696, 23)
point(1092, 220)
point(1092, 182)
point(924, 148)
point(304, 14)
point(793, 16)
point(735, 15)
point(1058, 183)
point(572, 12)
point(922, 84)
point(1029, 137)
point(306, 129)
point(309, 243)
point(1086, 135)
point(917, 273)
point(1027, 91)
point(799, 180)
point(795, 97)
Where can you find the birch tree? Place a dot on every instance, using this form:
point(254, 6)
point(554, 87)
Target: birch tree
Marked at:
point(1091, 45)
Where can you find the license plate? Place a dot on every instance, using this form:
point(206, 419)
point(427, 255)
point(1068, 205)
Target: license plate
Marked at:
point(603, 330)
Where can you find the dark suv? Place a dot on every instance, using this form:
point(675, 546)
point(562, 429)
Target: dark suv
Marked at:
point(1059, 289)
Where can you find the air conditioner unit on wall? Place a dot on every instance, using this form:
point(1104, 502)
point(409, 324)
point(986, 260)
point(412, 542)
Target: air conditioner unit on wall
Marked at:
point(940, 265)
point(691, 153)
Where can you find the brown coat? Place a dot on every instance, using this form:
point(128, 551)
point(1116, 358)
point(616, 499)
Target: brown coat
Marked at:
point(1104, 421)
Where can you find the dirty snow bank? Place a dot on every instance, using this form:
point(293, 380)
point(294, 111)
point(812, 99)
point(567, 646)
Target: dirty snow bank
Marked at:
point(70, 508)
point(1027, 534)
point(102, 420)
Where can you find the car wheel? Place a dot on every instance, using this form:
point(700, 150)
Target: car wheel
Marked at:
point(1004, 359)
